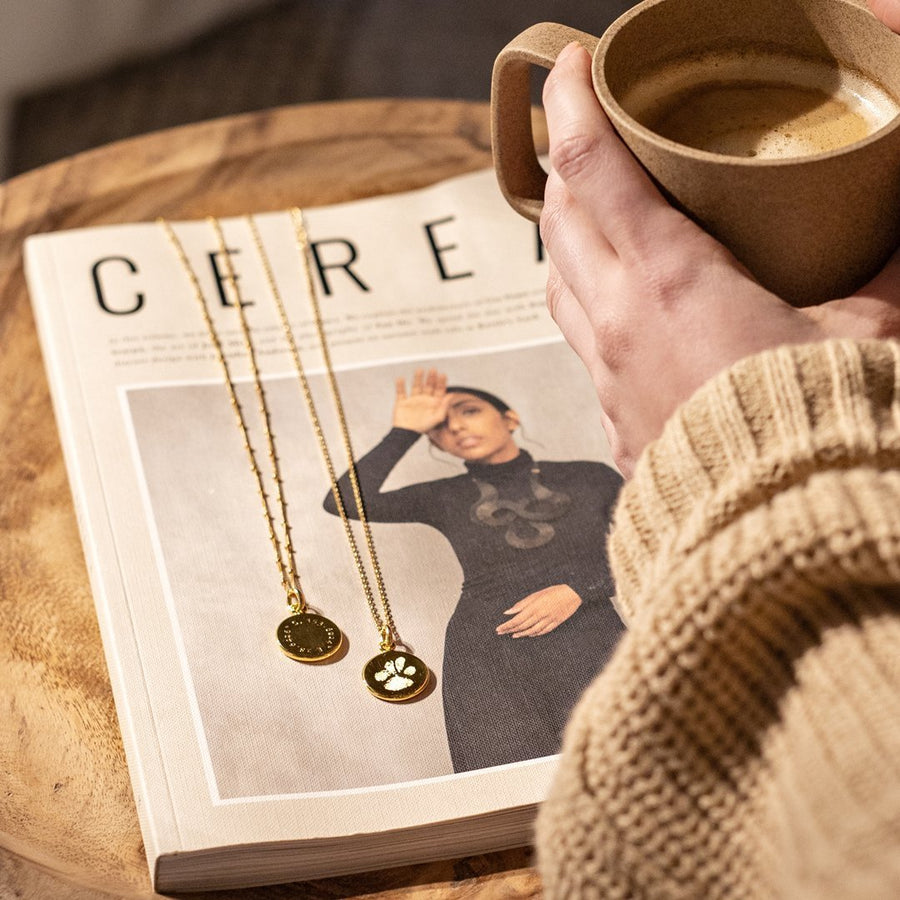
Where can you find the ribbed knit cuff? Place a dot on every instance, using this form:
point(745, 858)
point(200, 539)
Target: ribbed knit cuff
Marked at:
point(769, 422)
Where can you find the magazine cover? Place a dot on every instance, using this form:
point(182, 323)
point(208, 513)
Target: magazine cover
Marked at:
point(486, 482)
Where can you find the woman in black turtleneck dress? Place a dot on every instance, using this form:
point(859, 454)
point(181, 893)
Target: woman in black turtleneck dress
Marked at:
point(534, 622)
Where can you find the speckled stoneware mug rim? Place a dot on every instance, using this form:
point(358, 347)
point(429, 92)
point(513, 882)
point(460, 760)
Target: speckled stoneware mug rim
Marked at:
point(624, 119)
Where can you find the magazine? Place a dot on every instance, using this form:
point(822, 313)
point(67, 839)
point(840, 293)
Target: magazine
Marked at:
point(250, 767)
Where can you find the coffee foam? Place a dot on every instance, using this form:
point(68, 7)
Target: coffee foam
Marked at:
point(759, 103)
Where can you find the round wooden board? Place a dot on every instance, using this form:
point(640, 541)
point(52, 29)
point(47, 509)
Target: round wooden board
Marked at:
point(68, 825)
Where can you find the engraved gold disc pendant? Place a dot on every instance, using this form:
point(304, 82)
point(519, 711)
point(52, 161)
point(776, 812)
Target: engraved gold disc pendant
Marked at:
point(309, 637)
point(396, 675)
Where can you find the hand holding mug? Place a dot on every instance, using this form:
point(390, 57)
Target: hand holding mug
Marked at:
point(652, 303)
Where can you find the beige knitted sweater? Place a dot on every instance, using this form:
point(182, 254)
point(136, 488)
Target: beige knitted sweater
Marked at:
point(745, 739)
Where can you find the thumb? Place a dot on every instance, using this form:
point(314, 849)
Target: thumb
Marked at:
point(873, 311)
point(888, 11)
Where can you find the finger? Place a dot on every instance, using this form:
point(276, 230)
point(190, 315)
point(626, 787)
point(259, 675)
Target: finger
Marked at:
point(563, 220)
point(400, 386)
point(541, 627)
point(571, 319)
point(518, 606)
point(545, 629)
point(579, 333)
point(441, 383)
point(596, 166)
point(514, 624)
point(575, 243)
point(417, 379)
point(517, 623)
point(573, 322)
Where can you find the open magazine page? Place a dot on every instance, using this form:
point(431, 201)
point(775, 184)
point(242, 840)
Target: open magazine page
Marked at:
point(225, 734)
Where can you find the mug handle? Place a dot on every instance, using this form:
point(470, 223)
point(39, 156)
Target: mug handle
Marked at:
point(521, 178)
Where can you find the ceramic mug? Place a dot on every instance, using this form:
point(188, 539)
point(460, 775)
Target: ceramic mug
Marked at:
point(813, 223)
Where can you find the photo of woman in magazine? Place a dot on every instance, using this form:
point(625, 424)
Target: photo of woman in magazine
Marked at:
point(534, 622)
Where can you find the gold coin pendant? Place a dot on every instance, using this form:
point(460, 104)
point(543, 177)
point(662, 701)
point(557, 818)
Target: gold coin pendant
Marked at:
point(309, 637)
point(396, 675)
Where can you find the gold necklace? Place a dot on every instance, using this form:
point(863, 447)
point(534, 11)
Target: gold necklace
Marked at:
point(304, 636)
point(393, 674)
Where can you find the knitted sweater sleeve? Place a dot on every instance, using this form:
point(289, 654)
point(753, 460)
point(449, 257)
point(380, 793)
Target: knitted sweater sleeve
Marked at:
point(745, 739)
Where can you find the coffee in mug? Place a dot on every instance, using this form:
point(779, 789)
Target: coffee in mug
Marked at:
point(774, 124)
point(759, 104)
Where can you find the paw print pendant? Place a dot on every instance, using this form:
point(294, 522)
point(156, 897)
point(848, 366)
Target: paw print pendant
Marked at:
point(396, 675)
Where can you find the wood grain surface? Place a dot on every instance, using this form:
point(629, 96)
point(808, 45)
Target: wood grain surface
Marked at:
point(68, 825)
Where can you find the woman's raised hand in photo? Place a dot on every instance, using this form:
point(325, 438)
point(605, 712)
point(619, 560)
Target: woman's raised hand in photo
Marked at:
point(425, 405)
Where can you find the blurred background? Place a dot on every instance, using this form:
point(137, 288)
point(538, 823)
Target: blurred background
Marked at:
point(75, 74)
